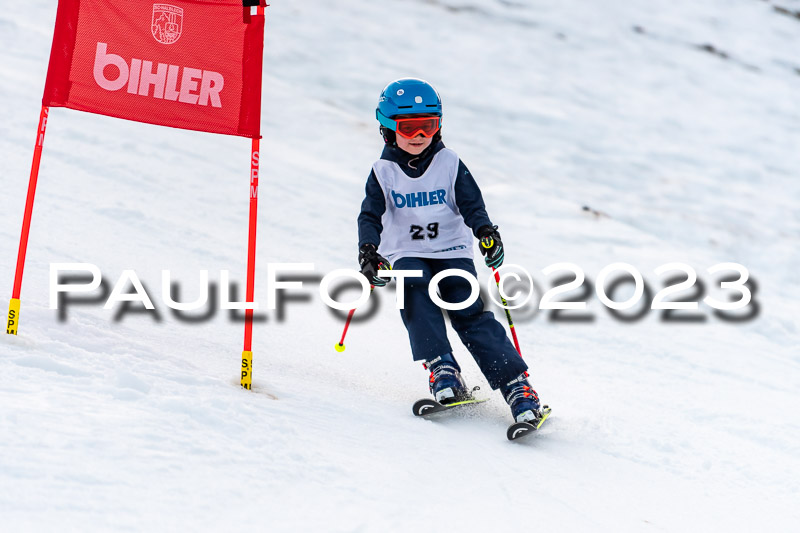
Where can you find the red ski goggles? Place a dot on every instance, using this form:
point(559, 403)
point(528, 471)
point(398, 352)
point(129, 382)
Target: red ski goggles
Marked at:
point(412, 126)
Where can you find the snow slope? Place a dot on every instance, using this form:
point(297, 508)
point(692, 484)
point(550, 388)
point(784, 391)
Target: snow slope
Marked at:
point(677, 121)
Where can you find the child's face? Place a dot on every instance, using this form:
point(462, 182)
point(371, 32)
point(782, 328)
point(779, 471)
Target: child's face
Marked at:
point(414, 146)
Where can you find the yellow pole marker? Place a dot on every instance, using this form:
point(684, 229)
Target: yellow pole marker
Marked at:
point(13, 316)
point(247, 369)
point(339, 347)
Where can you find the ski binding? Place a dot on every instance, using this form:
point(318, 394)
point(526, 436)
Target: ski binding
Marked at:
point(428, 406)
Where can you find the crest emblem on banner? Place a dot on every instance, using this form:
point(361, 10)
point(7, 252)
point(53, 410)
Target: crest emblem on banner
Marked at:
point(167, 23)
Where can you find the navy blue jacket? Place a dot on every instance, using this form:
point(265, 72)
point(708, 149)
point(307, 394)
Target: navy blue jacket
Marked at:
point(468, 195)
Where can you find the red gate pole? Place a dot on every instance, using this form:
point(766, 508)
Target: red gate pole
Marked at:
point(14, 304)
point(247, 353)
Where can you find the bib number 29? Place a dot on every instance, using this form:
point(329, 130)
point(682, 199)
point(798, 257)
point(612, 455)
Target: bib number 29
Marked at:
point(417, 231)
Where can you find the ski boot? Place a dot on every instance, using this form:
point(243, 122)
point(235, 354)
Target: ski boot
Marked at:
point(523, 400)
point(445, 382)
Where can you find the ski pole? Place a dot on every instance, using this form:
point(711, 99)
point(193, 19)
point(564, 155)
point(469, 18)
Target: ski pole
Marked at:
point(339, 347)
point(508, 313)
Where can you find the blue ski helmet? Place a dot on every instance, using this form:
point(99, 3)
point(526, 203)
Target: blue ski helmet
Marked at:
point(406, 96)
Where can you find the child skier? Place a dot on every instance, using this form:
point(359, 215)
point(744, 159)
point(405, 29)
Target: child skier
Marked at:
point(420, 204)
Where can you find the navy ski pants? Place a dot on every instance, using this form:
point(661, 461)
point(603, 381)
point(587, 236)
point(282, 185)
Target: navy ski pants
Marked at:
point(484, 337)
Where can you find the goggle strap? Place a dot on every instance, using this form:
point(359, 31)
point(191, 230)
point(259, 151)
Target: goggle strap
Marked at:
point(386, 121)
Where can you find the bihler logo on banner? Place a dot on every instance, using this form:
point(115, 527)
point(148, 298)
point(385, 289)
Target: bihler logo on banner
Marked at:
point(159, 80)
point(168, 82)
point(167, 23)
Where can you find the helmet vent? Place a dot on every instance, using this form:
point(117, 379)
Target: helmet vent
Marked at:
point(405, 106)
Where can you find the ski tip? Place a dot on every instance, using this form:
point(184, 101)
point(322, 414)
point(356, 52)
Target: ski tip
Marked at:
point(520, 429)
point(423, 407)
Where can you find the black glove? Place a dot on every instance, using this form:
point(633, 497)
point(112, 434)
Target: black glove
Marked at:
point(491, 246)
point(371, 261)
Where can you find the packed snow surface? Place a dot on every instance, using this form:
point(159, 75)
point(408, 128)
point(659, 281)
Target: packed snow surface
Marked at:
point(674, 122)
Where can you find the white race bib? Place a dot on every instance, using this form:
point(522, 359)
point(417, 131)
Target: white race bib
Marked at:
point(421, 218)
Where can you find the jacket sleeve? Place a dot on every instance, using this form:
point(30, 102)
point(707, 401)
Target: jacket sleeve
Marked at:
point(372, 209)
point(470, 201)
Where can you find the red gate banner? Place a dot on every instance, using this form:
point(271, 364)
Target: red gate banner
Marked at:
point(187, 64)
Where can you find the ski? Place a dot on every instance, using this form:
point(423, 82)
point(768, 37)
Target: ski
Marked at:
point(520, 429)
point(427, 406)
